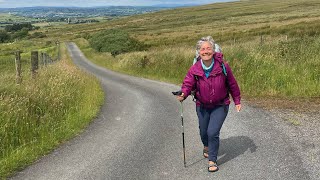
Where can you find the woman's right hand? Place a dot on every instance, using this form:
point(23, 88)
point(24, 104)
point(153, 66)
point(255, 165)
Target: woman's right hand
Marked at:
point(180, 97)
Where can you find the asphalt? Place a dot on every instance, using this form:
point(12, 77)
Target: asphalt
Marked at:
point(138, 135)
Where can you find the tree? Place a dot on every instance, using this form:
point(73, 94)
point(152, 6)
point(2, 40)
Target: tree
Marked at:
point(4, 36)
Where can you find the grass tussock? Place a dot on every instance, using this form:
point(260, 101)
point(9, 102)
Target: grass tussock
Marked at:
point(40, 113)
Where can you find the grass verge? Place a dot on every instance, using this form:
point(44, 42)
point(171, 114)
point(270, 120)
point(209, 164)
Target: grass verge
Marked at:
point(41, 113)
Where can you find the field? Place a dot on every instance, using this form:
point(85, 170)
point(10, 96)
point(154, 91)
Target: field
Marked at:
point(6, 19)
point(271, 46)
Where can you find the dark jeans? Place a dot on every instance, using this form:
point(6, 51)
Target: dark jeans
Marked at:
point(210, 123)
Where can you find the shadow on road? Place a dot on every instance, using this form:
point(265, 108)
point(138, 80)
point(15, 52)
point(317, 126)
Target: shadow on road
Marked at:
point(230, 148)
point(233, 147)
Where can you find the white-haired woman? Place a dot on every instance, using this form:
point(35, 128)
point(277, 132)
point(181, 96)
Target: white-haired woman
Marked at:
point(212, 80)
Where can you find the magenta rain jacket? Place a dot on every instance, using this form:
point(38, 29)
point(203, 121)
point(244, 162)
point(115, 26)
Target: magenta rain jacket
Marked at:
point(211, 91)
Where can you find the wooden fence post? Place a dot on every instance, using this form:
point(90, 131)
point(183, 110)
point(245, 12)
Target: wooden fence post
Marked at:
point(49, 59)
point(34, 63)
point(42, 59)
point(18, 67)
point(45, 58)
point(261, 39)
point(58, 47)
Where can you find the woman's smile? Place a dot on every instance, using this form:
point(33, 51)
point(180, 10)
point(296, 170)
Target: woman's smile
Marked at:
point(206, 51)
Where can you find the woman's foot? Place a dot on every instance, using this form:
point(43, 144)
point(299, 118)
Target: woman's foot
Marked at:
point(213, 167)
point(205, 152)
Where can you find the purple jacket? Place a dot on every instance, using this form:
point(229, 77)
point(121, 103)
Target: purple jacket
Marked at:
point(213, 90)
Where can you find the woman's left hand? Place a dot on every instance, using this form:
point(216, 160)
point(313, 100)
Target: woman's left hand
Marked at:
point(238, 107)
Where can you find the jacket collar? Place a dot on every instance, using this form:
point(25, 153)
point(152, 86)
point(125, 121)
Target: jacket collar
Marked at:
point(218, 58)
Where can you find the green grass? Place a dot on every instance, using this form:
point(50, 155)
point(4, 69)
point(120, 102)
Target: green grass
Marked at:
point(283, 69)
point(4, 17)
point(39, 114)
point(11, 19)
point(285, 64)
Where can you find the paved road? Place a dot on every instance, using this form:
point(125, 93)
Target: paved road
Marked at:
point(138, 136)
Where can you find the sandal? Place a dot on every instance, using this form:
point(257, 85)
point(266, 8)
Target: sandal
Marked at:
point(205, 153)
point(214, 164)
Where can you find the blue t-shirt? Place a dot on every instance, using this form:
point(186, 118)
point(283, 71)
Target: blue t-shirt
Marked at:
point(207, 70)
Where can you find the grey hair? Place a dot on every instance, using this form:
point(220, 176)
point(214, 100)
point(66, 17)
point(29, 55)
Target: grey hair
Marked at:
point(215, 47)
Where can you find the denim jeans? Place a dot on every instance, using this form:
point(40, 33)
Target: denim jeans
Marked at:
point(210, 123)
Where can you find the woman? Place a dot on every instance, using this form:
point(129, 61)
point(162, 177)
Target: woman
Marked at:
point(212, 80)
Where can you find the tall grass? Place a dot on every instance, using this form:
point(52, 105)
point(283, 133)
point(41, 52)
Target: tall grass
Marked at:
point(286, 69)
point(165, 64)
point(40, 113)
point(276, 68)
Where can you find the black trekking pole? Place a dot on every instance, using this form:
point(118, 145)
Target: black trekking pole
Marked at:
point(178, 93)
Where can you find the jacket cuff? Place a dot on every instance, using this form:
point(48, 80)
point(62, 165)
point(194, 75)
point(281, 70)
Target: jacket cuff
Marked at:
point(237, 101)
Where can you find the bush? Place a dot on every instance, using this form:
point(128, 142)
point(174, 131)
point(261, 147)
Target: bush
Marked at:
point(115, 41)
point(38, 35)
point(20, 34)
point(18, 27)
point(4, 36)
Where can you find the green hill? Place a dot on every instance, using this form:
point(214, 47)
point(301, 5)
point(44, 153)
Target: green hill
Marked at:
point(272, 46)
point(222, 20)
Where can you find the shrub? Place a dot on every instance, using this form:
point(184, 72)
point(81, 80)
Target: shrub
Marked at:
point(4, 36)
point(20, 34)
point(115, 41)
point(18, 27)
point(38, 35)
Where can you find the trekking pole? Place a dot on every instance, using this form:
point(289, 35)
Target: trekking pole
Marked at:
point(183, 144)
point(181, 113)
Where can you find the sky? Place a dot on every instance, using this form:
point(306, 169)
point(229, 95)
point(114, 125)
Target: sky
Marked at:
point(90, 3)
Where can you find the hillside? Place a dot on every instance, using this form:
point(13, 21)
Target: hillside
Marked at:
point(267, 43)
point(220, 19)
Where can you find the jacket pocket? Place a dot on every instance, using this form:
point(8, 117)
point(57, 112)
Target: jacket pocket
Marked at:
point(219, 85)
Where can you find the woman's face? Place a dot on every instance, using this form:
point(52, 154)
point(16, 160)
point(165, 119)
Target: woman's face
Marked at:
point(206, 51)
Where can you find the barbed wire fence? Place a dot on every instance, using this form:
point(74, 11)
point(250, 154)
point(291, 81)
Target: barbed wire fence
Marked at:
point(38, 59)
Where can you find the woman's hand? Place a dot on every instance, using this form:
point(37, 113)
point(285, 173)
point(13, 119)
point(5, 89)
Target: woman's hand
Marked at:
point(238, 107)
point(180, 97)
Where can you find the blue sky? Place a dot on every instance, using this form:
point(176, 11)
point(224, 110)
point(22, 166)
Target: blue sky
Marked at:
point(89, 3)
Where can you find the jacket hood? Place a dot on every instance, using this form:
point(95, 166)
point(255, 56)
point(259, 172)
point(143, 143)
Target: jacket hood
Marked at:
point(218, 57)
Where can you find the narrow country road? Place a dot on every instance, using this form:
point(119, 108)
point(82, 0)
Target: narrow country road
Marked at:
point(137, 135)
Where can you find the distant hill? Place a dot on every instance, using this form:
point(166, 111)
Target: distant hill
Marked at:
point(175, 5)
point(64, 12)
